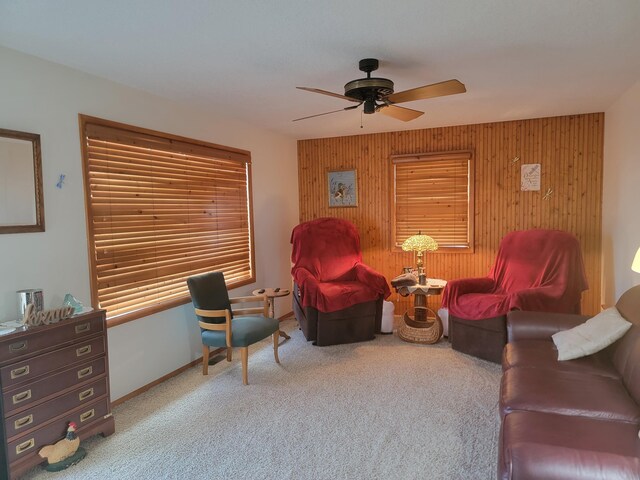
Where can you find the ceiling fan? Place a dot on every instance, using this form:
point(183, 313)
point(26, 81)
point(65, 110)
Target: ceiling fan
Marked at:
point(377, 94)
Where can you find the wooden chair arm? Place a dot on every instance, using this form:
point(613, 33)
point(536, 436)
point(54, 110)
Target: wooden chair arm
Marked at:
point(264, 310)
point(249, 311)
point(211, 313)
point(226, 326)
point(247, 299)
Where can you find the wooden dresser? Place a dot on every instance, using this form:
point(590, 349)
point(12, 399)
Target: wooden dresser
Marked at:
point(51, 375)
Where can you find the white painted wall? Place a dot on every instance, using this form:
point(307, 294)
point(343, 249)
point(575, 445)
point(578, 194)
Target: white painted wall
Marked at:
point(621, 194)
point(45, 98)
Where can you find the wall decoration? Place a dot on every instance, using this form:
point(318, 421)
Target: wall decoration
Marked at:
point(34, 318)
point(22, 205)
point(559, 144)
point(529, 177)
point(343, 188)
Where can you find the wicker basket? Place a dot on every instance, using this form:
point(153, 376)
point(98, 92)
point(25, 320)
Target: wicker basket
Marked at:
point(420, 332)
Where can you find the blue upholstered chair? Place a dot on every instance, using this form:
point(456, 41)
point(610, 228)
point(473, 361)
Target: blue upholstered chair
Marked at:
point(221, 328)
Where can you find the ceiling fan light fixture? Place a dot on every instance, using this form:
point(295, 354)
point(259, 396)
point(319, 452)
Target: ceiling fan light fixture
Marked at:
point(370, 106)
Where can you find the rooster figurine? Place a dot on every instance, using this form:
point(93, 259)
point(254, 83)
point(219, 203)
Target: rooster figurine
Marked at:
point(63, 453)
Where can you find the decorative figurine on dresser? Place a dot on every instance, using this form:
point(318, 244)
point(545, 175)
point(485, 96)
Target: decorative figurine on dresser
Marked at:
point(50, 376)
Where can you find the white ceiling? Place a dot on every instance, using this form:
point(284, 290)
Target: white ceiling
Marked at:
point(518, 58)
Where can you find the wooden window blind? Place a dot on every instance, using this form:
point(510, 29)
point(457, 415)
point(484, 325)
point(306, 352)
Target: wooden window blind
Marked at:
point(161, 208)
point(433, 193)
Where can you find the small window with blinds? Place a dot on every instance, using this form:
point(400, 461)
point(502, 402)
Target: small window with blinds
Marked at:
point(161, 208)
point(433, 194)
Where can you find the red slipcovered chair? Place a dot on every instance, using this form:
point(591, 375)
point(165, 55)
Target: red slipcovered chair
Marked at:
point(336, 297)
point(536, 270)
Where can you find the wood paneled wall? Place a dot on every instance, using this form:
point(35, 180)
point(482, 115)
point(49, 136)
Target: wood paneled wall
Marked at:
point(568, 148)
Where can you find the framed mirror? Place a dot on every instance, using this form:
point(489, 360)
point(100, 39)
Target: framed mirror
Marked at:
point(21, 199)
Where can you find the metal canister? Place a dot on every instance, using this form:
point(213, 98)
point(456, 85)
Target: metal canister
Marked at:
point(30, 296)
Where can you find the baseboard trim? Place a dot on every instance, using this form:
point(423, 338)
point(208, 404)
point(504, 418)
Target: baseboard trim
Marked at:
point(169, 375)
point(166, 377)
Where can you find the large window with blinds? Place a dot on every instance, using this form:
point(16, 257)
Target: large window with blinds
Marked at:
point(433, 194)
point(161, 208)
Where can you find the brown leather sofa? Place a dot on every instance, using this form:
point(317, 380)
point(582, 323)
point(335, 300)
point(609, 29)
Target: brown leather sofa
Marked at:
point(576, 419)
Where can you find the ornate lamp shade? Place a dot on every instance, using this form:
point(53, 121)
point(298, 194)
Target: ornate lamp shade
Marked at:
point(635, 266)
point(420, 243)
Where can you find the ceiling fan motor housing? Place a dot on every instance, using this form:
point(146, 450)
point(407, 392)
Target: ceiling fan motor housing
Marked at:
point(368, 90)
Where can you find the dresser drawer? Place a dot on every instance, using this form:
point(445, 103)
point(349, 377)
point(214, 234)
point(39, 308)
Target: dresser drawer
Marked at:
point(37, 339)
point(35, 416)
point(31, 393)
point(30, 443)
point(30, 368)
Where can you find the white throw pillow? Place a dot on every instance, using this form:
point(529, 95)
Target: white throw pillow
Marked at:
point(592, 336)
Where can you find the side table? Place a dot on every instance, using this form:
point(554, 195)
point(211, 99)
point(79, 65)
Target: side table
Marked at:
point(425, 326)
point(271, 295)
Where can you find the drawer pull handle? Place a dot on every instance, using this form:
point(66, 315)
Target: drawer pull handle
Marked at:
point(86, 394)
point(19, 372)
point(84, 372)
point(87, 415)
point(23, 422)
point(85, 327)
point(83, 350)
point(24, 446)
point(16, 347)
point(21, 397)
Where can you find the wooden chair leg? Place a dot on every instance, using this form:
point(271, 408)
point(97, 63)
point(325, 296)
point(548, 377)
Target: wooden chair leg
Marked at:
point(244, 352)
point(205, 359)
point(229, 354)
point(276, 338)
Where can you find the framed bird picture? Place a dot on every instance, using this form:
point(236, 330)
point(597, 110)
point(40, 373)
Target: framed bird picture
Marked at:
point(343, 188)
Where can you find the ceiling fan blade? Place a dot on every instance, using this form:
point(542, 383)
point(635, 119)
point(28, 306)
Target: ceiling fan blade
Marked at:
point(400, 113)
point(327, 113)
point(331, 94)
point(449, 87)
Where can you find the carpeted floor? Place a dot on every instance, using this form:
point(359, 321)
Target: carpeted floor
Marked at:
point(384, 409)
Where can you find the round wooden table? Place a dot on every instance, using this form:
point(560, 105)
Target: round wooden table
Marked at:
point(425, 326)
point(271, 295)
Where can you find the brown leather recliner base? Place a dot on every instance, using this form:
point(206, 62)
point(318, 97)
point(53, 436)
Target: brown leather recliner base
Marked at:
point(357, 323)
point(481, 338)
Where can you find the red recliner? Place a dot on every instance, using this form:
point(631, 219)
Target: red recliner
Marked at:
point(337, 299)
point(535, 270)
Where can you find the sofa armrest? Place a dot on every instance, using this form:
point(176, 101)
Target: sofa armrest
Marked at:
point(523, 325)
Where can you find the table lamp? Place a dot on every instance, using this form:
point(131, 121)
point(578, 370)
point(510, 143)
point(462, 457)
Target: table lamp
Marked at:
point(635, 266)
point(420, 243)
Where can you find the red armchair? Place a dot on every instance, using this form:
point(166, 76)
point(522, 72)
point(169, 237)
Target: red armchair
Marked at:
point(535, 270)
point(337, 298)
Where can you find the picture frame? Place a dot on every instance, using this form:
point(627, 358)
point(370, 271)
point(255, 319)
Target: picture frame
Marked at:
point(22, 209)
point(342, 188)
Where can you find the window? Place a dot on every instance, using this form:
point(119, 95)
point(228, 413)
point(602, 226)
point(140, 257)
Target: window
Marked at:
point(161, 208)
point(433, 193)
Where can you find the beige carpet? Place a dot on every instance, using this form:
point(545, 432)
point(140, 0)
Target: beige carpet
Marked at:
point(384, 409)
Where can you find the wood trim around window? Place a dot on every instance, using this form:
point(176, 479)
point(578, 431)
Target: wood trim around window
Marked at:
point(412, 158)
point(190, 191)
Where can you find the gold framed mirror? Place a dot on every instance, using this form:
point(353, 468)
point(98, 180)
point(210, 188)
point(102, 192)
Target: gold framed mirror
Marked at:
point(21, 198)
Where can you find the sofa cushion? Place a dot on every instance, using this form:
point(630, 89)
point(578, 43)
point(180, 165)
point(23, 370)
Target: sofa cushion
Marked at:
point(543, 354)
point(566, 393)
point(548, 446)
point(594, 335)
